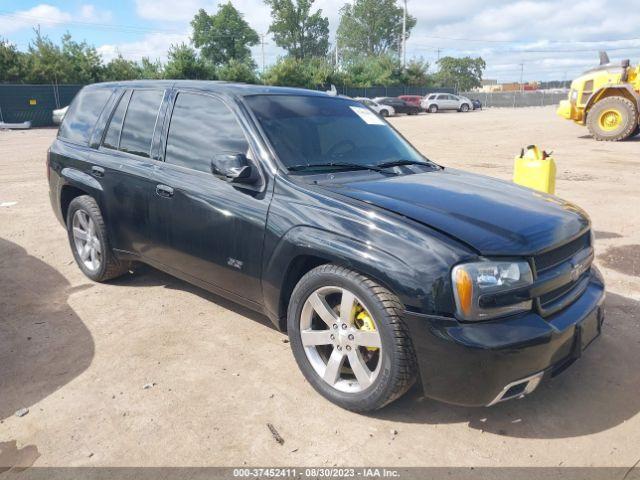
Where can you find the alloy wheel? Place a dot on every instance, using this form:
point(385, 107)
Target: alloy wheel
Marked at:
point(86, 240)
point(341, 339)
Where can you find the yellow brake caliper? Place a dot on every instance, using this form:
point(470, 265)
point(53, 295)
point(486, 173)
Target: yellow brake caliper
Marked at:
point(364, 322)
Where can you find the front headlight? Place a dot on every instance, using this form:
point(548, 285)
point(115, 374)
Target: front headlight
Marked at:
point(476, 286)
point(573, 96)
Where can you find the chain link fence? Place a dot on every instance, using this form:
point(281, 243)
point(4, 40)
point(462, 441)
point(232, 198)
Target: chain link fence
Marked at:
point(517, 99)
point(35, 103)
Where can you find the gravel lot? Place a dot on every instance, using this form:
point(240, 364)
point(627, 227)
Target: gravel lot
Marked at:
point(77, 354)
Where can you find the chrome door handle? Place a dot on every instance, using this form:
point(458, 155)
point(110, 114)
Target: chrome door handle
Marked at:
point(164, 191)
point(97, 171)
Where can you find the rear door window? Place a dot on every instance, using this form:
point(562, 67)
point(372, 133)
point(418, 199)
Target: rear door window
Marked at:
point(112, 138)
point(140, 121)
point(83, 114)
point(201, 127)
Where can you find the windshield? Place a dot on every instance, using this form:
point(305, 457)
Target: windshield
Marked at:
point(315, 130)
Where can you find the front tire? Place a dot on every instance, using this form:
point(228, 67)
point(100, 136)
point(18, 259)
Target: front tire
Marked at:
point(349, 340)
point(384, 112)
point(88, 240)
point(433, 109)
point(612, 119)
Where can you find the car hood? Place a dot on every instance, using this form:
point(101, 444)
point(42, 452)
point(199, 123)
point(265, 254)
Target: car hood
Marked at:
point(492, 216)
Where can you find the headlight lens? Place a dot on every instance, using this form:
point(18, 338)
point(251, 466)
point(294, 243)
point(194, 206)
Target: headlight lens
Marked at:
point(474, 280)
point(574, 95)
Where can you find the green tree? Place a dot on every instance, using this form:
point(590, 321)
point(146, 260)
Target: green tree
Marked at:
point(415, 74)
point(308, 73)
point(120, 68)
point(370, 71)
point(44, 62)
point(301, 33)
point(371, 27)
point(223, 36)
point(463, 73)
point(11, 62)
point(81, 61)
point(151, 70)
point(236, 71)
point(183, 62)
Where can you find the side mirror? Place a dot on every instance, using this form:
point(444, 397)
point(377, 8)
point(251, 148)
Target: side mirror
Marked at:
point(233, 167)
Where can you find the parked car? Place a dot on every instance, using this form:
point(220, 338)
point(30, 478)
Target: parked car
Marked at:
point(477, 104)
point(400, 106)
point(59, 114)
point(382, 266)
point(384, 110)
point(412, 100)
point(446, 101)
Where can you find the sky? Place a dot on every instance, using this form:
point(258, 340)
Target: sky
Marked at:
point(540, 40)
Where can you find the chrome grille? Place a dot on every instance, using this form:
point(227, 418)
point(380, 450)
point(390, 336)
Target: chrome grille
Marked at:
point(562, 262)
point(555, 257)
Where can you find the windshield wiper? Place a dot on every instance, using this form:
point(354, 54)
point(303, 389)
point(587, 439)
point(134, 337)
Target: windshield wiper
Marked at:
point(399, 163)
point(345, 165)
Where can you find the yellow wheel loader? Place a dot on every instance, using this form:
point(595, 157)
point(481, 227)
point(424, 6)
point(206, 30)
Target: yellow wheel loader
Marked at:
point(606, 99)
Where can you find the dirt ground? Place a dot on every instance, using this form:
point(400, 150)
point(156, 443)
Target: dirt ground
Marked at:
point(77, 354)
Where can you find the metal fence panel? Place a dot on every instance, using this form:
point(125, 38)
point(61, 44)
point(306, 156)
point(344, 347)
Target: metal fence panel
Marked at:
point(35, 103)
point(517, 99)
point(384, 91)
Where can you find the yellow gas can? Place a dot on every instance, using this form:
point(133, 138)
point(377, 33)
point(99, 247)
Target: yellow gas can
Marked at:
point(534, 168)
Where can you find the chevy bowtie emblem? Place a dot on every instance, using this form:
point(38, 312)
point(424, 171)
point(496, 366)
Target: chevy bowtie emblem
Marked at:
point(577, 270)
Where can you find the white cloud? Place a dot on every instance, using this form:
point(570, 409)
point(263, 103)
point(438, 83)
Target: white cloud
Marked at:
point(44, 15)
point(507, 33)
point(90, 13)
point(169, 10)
point(153, 45)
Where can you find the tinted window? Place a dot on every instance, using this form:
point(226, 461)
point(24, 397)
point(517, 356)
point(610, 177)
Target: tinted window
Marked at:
point(323, 130)
point(112, 137)
point(79, 121)
point(201, 127)
point(140, 122)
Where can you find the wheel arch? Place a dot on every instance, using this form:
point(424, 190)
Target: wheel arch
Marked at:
point(67, 194)
point(305, 248)
point(624, 91)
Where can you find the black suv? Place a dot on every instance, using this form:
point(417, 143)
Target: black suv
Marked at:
point(383, 267)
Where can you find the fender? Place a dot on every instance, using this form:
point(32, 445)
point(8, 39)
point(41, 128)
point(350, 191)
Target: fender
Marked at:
point(627, 91)
point(389, 270)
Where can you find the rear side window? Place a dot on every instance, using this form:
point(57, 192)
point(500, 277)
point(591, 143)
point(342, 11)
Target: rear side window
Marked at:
point(112, 138)
point(140, 122)
point(201, 127)
point(81, 118)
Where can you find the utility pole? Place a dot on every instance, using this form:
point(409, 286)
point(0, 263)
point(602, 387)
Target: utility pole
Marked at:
point(439, 50)
point(522, 77)
point(404, 36)
point(262, 47)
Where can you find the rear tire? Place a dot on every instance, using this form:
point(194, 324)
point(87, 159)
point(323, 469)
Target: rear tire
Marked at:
point(390, 364)
point(88, 240)
point(464, 107)
point(612, 119)
point(384, 112)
